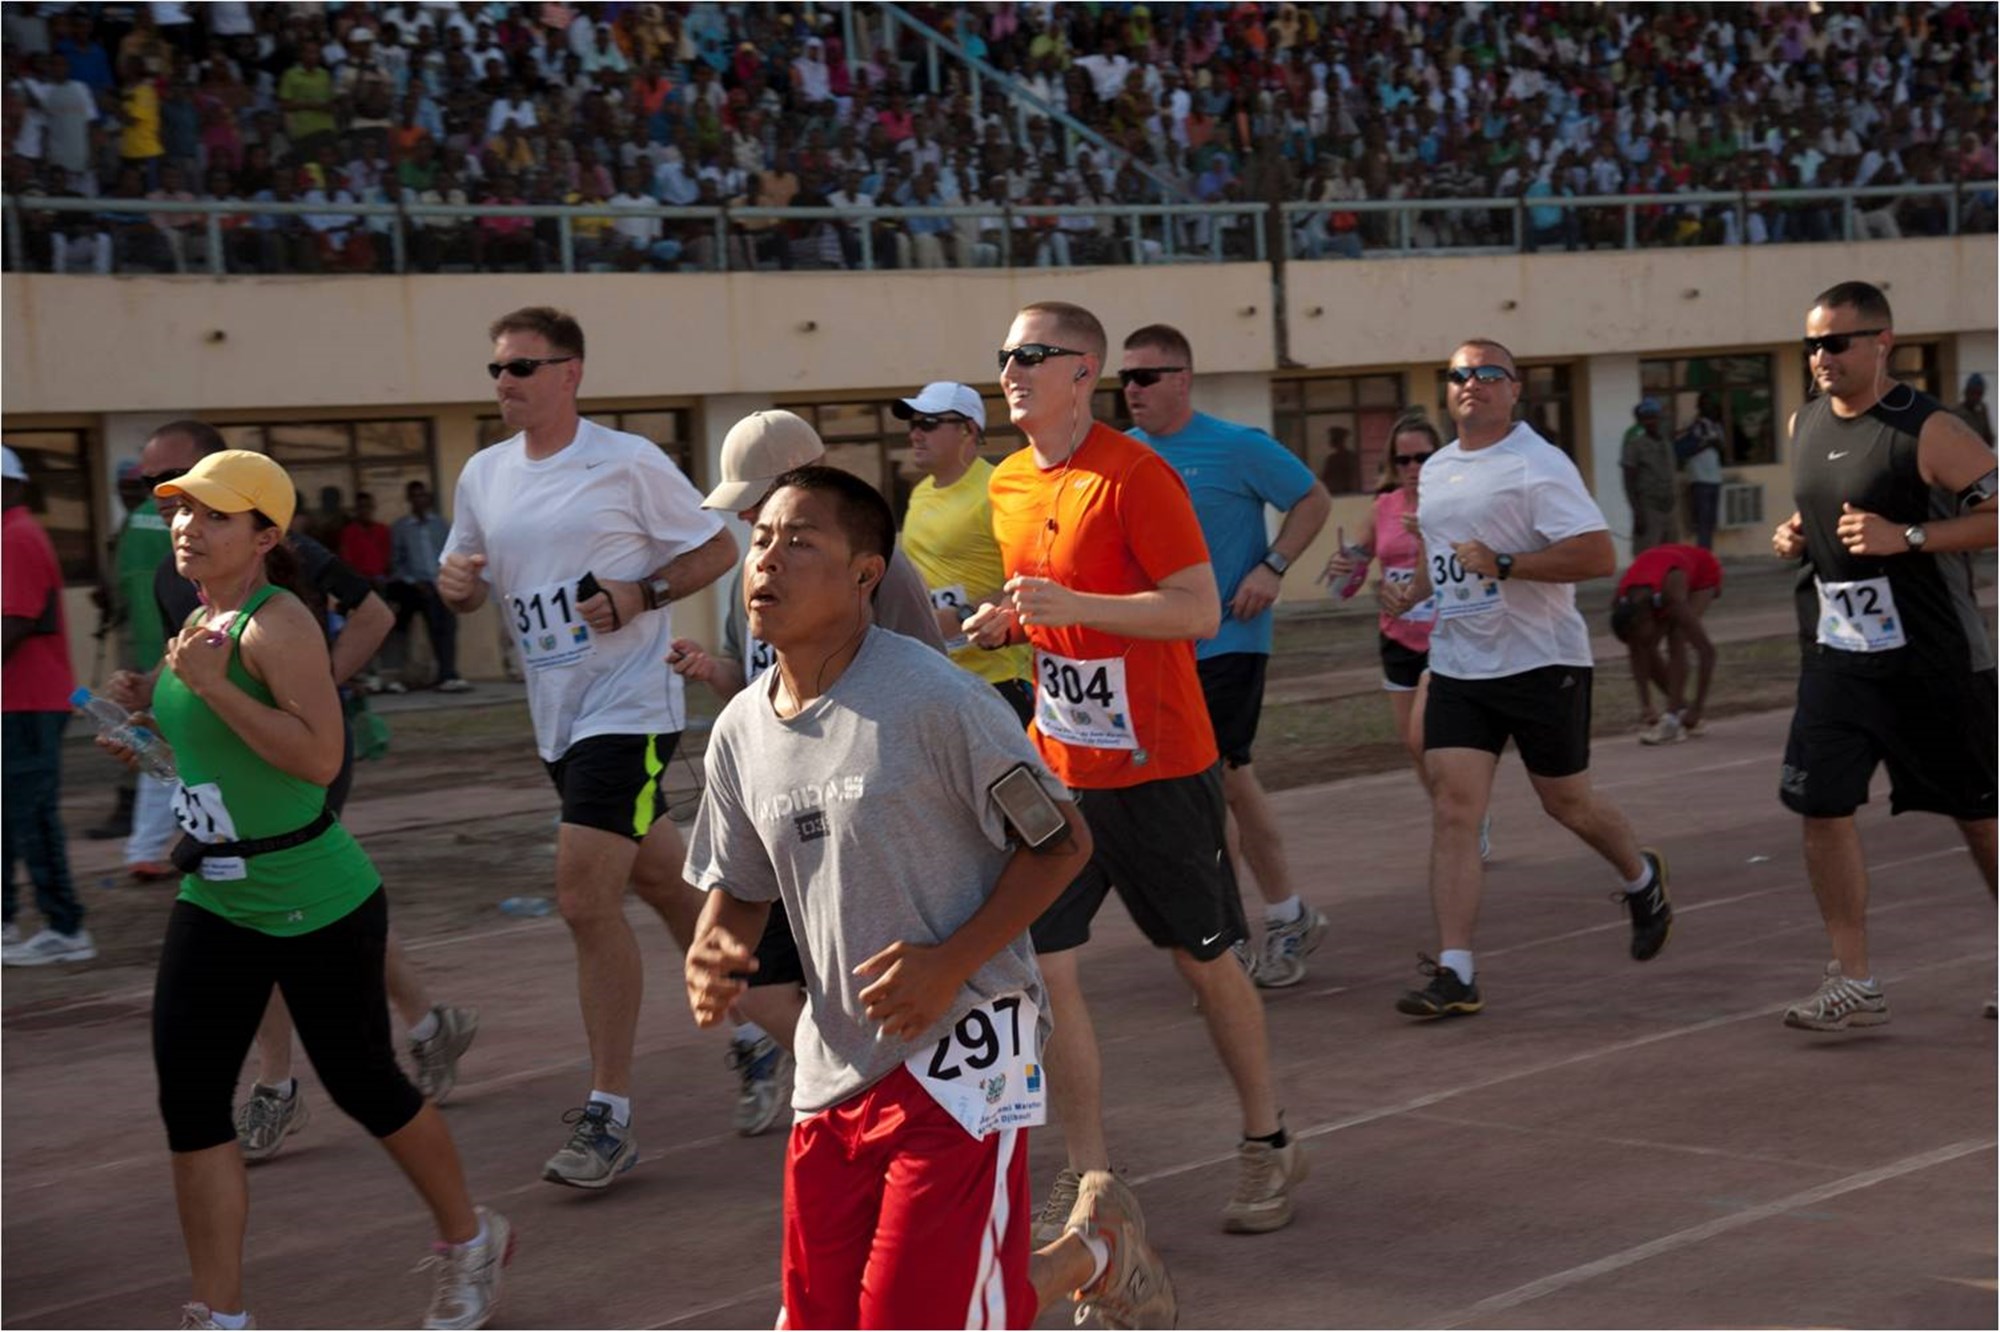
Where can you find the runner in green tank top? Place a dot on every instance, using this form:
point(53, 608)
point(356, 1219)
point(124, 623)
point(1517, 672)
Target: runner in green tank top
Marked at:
point(282, 895)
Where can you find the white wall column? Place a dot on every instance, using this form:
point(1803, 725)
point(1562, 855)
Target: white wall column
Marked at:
point(1613, 392)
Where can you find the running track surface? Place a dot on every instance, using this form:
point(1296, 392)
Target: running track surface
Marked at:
point(1609, 1144)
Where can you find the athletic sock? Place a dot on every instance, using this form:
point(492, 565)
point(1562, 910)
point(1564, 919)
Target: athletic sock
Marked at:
point(749, 1033)
point(1460, 961)
point(1644, 881)
point(1867, 984)
point(286, 1089)
point(425, 1027)
point(480, 1238)
point(1279, 1140)
point(621, 1106)
point(1285, 912)
point(220, 1319)
point(1100, 1257)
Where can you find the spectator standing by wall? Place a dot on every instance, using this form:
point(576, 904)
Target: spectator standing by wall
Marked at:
point(1701, 446)
point(416, 542)
point(1647, 464)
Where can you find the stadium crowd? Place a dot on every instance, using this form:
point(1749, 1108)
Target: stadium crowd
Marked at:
point(634, 106)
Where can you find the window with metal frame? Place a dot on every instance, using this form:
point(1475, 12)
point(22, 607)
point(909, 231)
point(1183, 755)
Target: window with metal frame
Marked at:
point(59, 495)
point(1741, 385)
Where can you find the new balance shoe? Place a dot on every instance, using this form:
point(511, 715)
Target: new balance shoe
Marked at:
point(436, 1058)
point(265, 1120)
point(1445, 996)
point(1286, 946)
point(1134, 1290)
point(468, 1275)
point(1053, 1219)
point(1838, 1004)
point(50, 946)
point(1265, 1177)
point(1652, 911)
point(598, 1150)
point(765, 1069)
point(196, 1315)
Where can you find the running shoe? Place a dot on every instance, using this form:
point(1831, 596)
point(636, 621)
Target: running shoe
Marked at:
point(1445, 996)
point(1134, 1290)
point(265, 1120)
point(1993, 1007)
point(1666, 731)
point(454, 685)
point(436, 1059)
point(1053, 1219)
point(598, 1150)
point(10, 935)
point(198, 1315)
point(1652, 912)
point(764, 1067)
point(1265, 1177)
point(1838, 1004)
point(468, 1275)
point(50, 946)
point(1286, 946)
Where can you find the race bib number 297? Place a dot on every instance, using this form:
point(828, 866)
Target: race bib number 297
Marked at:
point(984, 1072)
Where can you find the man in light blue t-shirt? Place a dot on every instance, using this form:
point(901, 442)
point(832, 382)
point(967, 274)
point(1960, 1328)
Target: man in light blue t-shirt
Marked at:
point(1232, 472)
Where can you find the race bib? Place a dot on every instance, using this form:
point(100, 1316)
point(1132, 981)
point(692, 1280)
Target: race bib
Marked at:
point(1424, 611)
point(1458, 591)
point(202, 815)
point(1859, 616)
point(549, 628)
point(762, 658)
point(1083, 702)
point(955, 600)
point(984, 1072)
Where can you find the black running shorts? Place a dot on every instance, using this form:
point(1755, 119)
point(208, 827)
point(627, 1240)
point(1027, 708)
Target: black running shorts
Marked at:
point(1160, 844)
point(1936, 733)
point(1233, 685)
point(1546, 712)
point(1403, 666)
point(614, 782)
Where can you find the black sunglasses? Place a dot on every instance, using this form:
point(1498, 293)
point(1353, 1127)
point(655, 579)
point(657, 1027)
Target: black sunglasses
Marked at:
point(1485, 374)
point(1405, 459)
point(523, 366)
point(930, 423)
point(1147, 376)
point(152, 479)
point(1032, 354)
point(1836, 344)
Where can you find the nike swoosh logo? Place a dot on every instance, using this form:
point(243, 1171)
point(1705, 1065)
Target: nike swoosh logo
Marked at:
point(591, 467)
point(1836, 457)
point(1211, 938)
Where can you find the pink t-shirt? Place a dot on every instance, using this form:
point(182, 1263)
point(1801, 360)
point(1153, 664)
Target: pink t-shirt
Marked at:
point(1400, 552)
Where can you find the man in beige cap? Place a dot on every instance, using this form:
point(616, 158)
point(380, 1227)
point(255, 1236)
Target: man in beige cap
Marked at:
point(759, 449)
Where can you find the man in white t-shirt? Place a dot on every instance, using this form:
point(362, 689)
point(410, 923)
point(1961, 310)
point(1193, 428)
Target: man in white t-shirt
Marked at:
point(1509, 530)
point(586, 536)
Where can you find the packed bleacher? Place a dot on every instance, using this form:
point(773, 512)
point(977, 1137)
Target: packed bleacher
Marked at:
point(634, 106)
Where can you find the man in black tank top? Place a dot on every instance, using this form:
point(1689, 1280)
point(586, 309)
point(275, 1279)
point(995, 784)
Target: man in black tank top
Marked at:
point(1893, 491)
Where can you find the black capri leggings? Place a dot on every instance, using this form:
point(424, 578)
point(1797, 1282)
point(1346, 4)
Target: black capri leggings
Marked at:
point(215, 979)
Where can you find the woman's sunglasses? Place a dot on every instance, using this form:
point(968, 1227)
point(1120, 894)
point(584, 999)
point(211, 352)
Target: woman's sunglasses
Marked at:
point(1485, 374)
point(1836, 344)
point(1032, 354)
point(1411, 459)
point(1148, 376)
point(523, 366)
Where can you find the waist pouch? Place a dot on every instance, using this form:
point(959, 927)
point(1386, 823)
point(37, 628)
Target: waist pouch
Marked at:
point(188, 853)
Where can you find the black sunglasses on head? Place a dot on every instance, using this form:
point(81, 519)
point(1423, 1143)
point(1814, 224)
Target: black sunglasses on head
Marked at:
point(523, 366)
point(1147, 376)
point(1485, 374)
point(1836, 344)
point(1032, 354)
point(930, 423)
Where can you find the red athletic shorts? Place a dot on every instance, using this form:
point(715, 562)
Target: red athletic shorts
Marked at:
point(896, 1217)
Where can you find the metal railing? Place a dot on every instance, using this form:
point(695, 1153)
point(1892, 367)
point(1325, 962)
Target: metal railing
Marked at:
point(721, 239)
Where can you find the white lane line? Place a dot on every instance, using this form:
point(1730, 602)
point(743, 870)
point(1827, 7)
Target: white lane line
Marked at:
point(770, 1290)
point(1482, 1312)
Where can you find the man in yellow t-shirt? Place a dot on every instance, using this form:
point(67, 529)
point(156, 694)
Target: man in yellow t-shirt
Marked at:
point(948, 531)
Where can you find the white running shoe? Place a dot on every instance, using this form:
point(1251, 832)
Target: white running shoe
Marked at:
point(765, 1069)
point(1666, 731)
point(437, 1058)
point(468, 1275)
point(50, 946)
point(11, 936)
point(1282, 962)
point(1838, 1004)
point(198, 1315)
point(265, 1120)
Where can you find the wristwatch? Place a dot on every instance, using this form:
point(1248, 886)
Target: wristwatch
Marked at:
point(1914, 536)
point(1276, 562)
point(656, 592)
point(1504, 565)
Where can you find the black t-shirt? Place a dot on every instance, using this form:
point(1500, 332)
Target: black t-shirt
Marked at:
point(1870, 461)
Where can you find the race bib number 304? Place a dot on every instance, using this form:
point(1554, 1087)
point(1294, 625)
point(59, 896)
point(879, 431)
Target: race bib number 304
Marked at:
point(1859, 616)
point(985, 1072)
point(1083, 702)
point(1458, 591)
point(549, 628)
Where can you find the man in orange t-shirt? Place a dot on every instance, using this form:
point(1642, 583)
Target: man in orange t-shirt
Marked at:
point(1109, 581)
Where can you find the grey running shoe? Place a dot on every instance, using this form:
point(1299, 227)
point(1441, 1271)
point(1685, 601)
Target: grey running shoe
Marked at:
point(598, 1150)
point(437, 1058)
point(468, 1275)
point(1265, 1176)
point(1134, 1290)
point(1286, 946)
point(1053, 1219)
point(1666, 731)
point(765, 1068)
point(199, 1315)
point(50, 946)
point(265, 1120)
point(1838, 1004)
point(1652, 911)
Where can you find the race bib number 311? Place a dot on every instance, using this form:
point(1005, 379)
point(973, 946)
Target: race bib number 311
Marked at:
point(985, 1072)
point(549, 628)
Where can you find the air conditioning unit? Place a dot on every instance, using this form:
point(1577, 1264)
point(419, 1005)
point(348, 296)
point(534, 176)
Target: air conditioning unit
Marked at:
point(1742, 505)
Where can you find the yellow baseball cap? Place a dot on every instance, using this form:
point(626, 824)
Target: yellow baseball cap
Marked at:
point(237, 481)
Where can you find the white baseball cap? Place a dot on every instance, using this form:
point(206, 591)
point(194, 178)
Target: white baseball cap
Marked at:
point(759, 449)
point(10, 466)
point(943, 396)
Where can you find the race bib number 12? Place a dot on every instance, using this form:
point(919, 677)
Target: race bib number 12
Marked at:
point(1859, 616)
point(984, 1071)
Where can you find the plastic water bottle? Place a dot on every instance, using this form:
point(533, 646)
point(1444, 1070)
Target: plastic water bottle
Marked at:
point(1355, 576)
point(115, 724)
point(527, 906)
